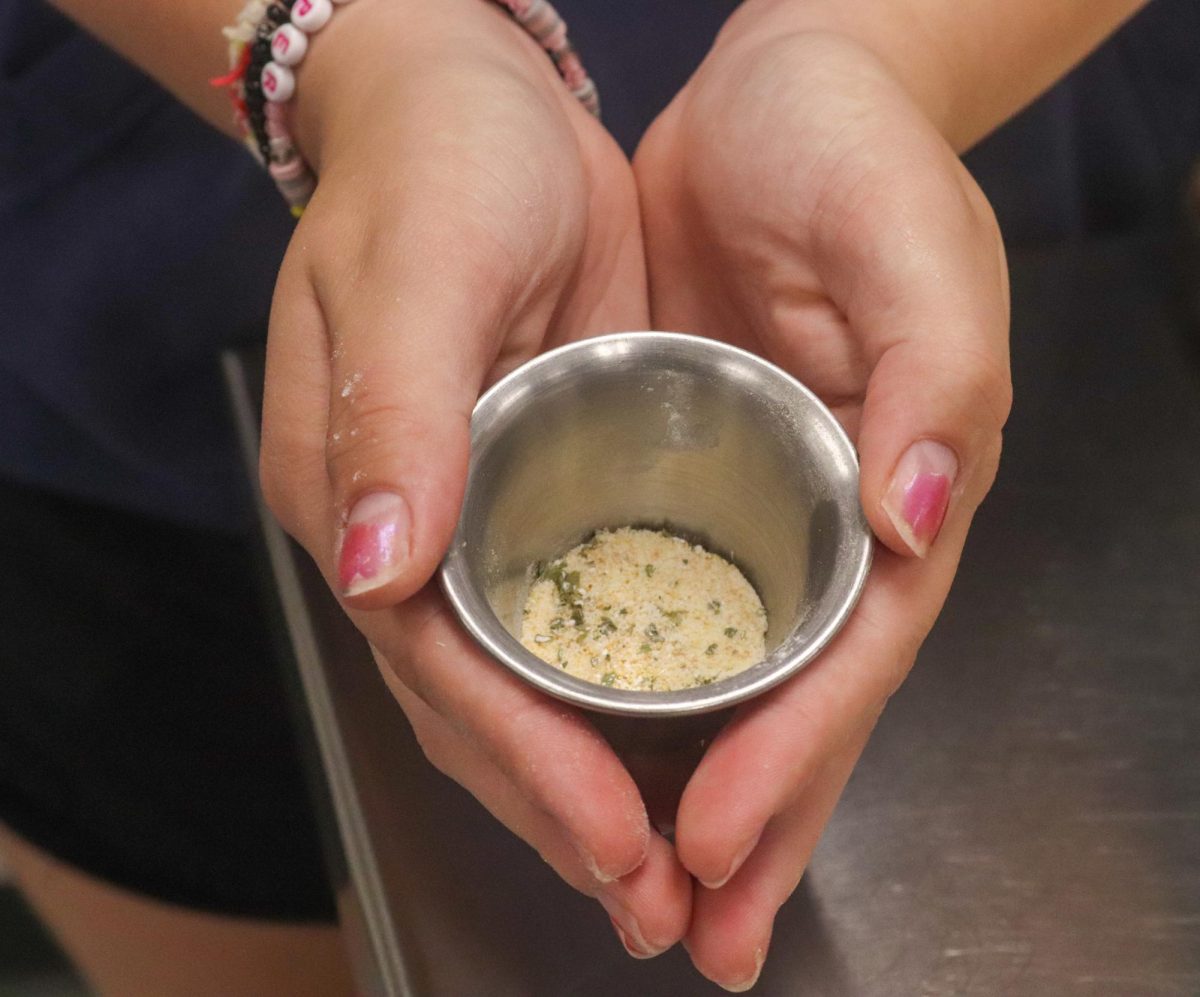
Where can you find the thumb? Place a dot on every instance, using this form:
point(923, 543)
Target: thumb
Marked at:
point(939, 391)
point(929, 441)
point(406, 368)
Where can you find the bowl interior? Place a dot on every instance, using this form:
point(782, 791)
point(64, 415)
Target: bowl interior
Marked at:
point(670, 432)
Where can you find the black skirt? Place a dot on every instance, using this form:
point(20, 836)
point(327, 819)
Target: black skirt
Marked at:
point(145, 728)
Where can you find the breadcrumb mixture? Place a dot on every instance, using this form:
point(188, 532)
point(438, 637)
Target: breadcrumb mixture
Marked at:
point(642, 609)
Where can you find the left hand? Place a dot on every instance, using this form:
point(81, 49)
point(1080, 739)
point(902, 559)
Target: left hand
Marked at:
point(798, 203)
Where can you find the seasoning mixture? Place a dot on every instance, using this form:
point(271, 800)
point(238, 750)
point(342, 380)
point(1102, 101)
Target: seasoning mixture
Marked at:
point(642, 609)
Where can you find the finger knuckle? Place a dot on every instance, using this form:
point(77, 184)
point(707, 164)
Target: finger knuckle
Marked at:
point(977, 383)
point(989, 383)
point(369, 430)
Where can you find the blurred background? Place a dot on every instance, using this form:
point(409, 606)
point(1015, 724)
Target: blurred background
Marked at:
point(30, 963)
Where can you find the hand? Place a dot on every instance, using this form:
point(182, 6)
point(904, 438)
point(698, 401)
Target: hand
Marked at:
point(797, 202)
point(469, 214)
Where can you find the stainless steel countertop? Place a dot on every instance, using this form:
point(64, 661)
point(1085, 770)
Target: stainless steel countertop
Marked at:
point(1026, 819)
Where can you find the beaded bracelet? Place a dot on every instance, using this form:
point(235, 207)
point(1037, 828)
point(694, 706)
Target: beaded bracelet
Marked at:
point(271, 38)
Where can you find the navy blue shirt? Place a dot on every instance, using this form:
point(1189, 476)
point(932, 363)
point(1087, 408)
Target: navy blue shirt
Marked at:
point(135, 241)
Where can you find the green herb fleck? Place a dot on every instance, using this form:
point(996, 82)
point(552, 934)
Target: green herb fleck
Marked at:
point(557, 623)
point(606, 627)
point(622, 611)
point(706, 680)
point(577, 614)
point(731, 631)
point(715, 606)
point(608, 678)
point(674, 615)
point(554, 572)
point(649, 570)
point(711, 650)
point(567, 582)
point(653, 634)
point(645, 649)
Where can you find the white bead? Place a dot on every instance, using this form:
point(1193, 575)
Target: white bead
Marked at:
point(311, 15)
point(288, 45)
point(278, 82)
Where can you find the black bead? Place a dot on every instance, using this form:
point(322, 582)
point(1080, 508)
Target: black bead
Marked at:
point(253, 84)
point(261, 50)
point(277, 13)
point(263, 31)
point(255, 101)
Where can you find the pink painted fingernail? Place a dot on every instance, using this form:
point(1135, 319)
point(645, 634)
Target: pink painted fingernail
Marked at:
point(917, 498)
point(374, 542)
point(738, 859)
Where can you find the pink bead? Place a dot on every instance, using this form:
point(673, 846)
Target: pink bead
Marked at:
point(283, 172)
point(311, 15)
point(288, 45)
point(278, 82)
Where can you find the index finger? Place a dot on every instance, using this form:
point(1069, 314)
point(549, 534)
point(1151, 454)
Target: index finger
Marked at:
point(546, 748)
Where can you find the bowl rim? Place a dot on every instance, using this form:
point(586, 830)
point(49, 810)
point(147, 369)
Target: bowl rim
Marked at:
point(476, 616)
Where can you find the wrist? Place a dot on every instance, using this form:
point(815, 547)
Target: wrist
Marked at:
point(376, 54)
point(968, 64)
point(887, 34)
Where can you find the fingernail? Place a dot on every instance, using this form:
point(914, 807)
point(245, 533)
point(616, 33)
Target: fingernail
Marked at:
point(748, 983)
point(628, 929)
point(738, 860)
point(630, 947)
point(374, 542)
point(919, 493)
point(592, 865)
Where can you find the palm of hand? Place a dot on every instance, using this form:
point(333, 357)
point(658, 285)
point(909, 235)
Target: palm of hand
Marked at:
point(791, 190)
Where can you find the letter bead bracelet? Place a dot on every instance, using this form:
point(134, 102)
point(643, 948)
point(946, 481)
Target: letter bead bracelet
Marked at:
point(270, 40)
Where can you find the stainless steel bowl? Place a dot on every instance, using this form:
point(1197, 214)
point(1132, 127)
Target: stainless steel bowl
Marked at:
point(662, 430)
point(668, 431)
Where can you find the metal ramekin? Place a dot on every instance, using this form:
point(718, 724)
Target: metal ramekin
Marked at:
point(668, 431)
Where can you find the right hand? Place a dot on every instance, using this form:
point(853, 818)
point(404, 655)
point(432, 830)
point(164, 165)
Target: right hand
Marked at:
point(468, 215)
